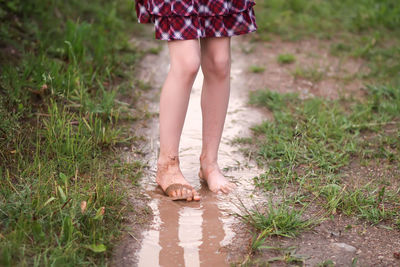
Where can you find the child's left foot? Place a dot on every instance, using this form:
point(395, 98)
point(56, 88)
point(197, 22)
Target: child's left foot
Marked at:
point(216, 181)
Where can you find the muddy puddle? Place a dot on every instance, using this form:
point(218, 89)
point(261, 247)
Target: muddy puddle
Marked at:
point(197, 233)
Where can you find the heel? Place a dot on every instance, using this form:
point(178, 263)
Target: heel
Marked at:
point(201, 175)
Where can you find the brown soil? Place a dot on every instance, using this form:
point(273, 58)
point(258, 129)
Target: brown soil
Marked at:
point(368, 245)
point(334, 76)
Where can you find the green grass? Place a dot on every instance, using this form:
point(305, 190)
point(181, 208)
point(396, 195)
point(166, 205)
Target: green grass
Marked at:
point(310, 143)
point(286, 58)
point(366, 29)
point(296, 18)
point(64, 66)
point(327, 263)
point(275, 220)
point(313, 74)
point(257, 69)
point(314, 148)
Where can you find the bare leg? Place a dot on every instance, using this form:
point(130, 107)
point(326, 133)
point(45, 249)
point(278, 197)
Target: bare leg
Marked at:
point(215, 64)
point(185, 62)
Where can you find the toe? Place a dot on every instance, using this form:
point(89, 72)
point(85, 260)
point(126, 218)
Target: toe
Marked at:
point(231, 186)
point(177, 193)
point(173, 194)
point(186, 193)
point(216, 190)
point(182, 192)
point(196, 196)
point(224, 189)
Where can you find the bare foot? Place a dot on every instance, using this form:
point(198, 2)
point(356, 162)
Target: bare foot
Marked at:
point(216, 181)
point(172, 182)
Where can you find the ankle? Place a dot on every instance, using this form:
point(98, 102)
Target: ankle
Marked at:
point(165, 161)
point(208, 162)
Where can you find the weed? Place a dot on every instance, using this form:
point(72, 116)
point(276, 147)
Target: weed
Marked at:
point(274, 220)
point(133, 171)
point(338, 49)
point(286, 58)
point(155, 50)
point(143, 85)
point(257, 69)
point(313, 74)
point(279, 220)
point(272, 100)
point(326, 263)
point(242, 140)
point(397, 222)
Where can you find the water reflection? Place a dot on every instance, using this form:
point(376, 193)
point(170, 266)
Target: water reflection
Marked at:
point(190, 234)
point(172, 252)
point(211, 253)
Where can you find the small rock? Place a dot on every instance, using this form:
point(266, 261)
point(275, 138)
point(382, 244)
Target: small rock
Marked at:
point(335, 234)
point(345, 247)
point(380, 257)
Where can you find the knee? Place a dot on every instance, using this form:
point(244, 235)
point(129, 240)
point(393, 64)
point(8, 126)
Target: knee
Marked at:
point(218, 65)
point(187, 66)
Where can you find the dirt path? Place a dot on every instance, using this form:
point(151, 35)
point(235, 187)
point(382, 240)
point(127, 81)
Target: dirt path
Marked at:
point(206, 233)
point(195, 234)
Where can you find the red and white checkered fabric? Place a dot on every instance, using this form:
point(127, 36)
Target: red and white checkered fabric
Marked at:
point(192, 19)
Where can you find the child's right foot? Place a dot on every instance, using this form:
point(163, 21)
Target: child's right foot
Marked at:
point(170, 179)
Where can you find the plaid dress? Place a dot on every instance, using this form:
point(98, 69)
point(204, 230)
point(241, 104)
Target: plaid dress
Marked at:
point(193, 19)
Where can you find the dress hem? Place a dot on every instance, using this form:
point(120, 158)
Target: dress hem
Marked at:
point(208, 36)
